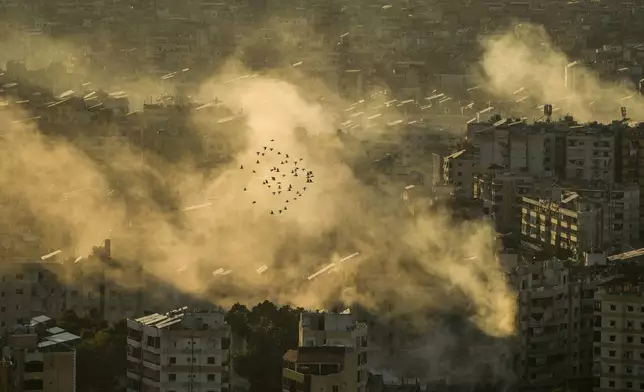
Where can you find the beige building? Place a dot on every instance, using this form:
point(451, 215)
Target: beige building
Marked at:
point(337, 330)
point(321, 369)
point(43, 358)
point(501, 195)
point(619, 335)
point(182, 350)
point(601, 216)
point(591, 153)
point(29, 289)
point(458, 172)
point(572, 223)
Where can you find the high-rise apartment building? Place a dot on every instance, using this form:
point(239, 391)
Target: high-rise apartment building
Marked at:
point(182, 350)
point(619, 334)
point(591, 153)
point(555, 325)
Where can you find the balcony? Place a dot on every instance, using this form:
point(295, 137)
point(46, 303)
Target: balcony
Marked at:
point(133, 342)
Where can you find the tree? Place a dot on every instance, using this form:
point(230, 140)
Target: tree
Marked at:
point(269, 331)
point(100, 352)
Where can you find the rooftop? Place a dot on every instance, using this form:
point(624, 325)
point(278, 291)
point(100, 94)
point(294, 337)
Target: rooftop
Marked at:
point(163, 320)
point(322, 354)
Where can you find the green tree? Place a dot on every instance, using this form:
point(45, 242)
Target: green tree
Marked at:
point(269, 331)
point(100, 353)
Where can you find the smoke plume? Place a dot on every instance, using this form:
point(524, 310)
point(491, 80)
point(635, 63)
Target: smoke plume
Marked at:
point(521, 64)
point(210, 232)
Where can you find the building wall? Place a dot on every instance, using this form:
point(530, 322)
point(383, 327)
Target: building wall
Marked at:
point(194, 355)
point(619, 341)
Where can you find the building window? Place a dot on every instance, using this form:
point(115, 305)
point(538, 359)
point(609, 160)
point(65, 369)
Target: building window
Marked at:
point(629, 370)
point(629, 308)
point(629, 384)
point(33, 385)
point(629, 339)
point(611, 369)
point(19, 291)
point(173, 360)
point(172, 377)
point(613, 307)
point(211, 360)
point(611, 384)
point(336, 388)
point(34, 367)
point(225, 343)
point(612, 323)
point(611, 338)
point(611, 353)
point(211, 377)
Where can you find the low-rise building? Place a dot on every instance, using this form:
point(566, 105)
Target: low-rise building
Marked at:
point(43, 357)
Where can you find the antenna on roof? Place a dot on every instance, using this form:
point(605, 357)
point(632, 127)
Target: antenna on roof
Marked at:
point(547, 112)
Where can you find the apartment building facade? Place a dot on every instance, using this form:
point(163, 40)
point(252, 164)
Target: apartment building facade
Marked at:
point(555, 325)
point(43, 357)
point(321, 369)
point(458, 170)
point(571, 223)
point(337, 330)
point(501, 194)
point(591, 153)
point(619, 334)
point(182, 350)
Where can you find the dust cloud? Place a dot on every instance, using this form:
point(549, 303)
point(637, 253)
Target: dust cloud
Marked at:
point(210, 232)
point(522, 64)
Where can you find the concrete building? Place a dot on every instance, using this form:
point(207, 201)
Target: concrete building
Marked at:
point(29, 288)
point(458, 172)
point(619, 342)
point(572, 224)
point(620, 212)
point(6, 375)
point(43, 358)
point(591, 153)
point(182, 350)
point(321, 369)
point(633, 164)
point(555, 325)
point(337, 330)
point(501, 192)
point(593, 216)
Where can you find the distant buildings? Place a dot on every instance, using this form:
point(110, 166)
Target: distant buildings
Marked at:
point(179, 350)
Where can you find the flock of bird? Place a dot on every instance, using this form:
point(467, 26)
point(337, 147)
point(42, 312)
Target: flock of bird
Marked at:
point(283, 177)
